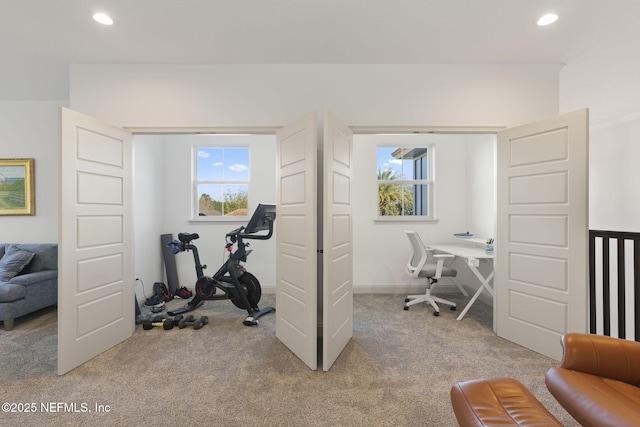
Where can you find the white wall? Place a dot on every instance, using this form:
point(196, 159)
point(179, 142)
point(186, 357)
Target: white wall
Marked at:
point(481, 184)
point(31, 129)
point(149, 177)
point(614, 138)
point(614, 174)
point(603, 74)
point(274, 95)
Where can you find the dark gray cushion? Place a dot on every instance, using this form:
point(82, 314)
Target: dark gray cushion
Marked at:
point(13, 261)
point(429, 270)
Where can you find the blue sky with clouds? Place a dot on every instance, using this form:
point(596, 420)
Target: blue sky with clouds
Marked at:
point(387, 161)
point(217, 164)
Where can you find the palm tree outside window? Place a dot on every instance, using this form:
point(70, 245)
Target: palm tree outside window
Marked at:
point(405, 182)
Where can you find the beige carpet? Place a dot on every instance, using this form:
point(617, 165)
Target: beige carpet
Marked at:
point(396, 371)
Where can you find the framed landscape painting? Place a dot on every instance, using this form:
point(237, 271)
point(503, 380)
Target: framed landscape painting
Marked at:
point(17, 187)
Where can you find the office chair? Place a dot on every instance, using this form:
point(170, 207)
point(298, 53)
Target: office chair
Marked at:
point(417, 267)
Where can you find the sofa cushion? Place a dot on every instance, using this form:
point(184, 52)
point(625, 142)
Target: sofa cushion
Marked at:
point(46, 256)
point(595, 401)
point(13, 261)
point(12, 292)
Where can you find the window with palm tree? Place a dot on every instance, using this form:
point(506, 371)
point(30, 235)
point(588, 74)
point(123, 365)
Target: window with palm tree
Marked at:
point(405, 184)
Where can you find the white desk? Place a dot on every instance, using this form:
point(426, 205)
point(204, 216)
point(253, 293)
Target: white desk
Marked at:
point(472, 254)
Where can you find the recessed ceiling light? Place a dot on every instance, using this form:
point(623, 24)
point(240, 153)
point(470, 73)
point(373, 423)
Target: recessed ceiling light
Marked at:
point(103, 18)
point(547, 19)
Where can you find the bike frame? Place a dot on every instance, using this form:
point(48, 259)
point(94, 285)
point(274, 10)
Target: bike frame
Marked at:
point(227, 276)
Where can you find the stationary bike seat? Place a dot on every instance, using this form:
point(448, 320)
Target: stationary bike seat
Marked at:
point(187, 237)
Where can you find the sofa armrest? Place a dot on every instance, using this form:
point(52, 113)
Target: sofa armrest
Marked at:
point(602, 356)
point(35, 277)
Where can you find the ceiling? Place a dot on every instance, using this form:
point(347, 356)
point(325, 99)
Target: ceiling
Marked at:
point(39, 38)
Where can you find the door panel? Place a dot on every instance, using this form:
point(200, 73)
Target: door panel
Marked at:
point(542, 233)
point(296, 239)
point(95, 286)
point(337, 239)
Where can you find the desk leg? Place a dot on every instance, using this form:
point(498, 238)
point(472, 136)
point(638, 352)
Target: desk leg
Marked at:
point(484, 285)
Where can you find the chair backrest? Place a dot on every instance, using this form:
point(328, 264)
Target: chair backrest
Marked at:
point(418, 256)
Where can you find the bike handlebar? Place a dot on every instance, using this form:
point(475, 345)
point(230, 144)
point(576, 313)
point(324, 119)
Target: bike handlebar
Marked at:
point(237, 233)
point(184, 239)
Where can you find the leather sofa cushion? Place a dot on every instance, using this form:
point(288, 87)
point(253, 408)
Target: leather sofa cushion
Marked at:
point(595, 401)
point(603, 356)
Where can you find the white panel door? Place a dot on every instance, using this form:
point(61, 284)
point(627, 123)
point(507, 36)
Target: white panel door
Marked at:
point(542, 235)
point(296, 239)
point(95, 277)
point(337, 306)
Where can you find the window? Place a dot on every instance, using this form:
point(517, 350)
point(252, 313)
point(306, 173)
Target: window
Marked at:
point(405, 182)
point(221, 183)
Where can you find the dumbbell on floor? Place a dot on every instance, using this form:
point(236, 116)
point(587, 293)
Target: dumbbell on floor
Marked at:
point(140, 319)
point(158, 321)
point(192, 321)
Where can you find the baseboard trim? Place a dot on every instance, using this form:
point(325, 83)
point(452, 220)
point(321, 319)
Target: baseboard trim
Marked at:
point(404, 289)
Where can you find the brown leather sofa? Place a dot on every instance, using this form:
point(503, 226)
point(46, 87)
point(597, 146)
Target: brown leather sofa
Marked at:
point(598, 380)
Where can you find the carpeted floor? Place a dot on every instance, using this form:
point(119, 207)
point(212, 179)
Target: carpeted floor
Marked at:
point(396, 371)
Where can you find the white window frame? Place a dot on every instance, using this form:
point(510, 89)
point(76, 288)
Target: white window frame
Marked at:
point(195, 208)
point(430, 183)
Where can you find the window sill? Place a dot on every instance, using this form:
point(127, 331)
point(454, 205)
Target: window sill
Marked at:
point(220, 219)
point(405, 219)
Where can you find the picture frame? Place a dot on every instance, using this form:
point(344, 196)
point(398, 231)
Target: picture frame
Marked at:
point(17, 190)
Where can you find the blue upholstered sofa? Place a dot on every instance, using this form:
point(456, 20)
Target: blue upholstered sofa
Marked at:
point(28, 279)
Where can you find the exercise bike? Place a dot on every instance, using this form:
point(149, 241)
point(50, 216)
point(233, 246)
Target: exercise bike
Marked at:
point(236, 284)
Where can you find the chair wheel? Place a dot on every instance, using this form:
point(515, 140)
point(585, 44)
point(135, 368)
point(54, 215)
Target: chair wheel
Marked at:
point(407, 300)
point(436, 313)
point(406, 308)
point(453, 308)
